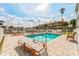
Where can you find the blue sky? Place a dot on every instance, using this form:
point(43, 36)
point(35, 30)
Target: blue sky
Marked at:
point(29, 9)
point(37, 10)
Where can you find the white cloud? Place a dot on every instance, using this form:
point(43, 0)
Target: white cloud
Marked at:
point(41, 7)
point(35, 9)
point(2, 10)
point(25, 8)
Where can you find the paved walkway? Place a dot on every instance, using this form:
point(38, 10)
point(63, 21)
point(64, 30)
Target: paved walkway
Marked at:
point(57, 47)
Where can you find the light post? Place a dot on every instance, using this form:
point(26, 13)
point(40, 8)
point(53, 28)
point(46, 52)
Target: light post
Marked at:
point(46, 40)
point(46, 44)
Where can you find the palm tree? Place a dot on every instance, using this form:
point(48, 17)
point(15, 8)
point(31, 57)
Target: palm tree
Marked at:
point(77, 24)
point(77, 13)
point(62, 12)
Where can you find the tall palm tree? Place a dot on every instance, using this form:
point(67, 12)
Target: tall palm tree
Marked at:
point(62, 12)
point(77, 13)
point(77, 24)
point(77, 8)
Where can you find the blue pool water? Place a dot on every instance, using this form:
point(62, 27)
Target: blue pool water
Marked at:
point(43, 37)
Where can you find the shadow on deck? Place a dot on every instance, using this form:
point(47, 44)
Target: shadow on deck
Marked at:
point(74, 41)
point(21, 52)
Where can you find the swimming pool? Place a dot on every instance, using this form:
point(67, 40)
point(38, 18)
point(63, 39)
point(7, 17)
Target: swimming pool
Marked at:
point(43, 37)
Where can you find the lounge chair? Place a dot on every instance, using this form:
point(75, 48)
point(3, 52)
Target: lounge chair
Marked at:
point(34, 48)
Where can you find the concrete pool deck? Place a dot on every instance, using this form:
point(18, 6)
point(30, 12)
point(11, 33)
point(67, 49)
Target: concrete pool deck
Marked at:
point(57, 47)
point(62, 47)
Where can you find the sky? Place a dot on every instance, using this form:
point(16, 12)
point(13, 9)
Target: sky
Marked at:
point(23, 14)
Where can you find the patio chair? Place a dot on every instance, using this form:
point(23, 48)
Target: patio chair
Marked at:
point(71, 35)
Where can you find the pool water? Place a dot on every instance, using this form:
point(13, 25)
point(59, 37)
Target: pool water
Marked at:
point(43, 37)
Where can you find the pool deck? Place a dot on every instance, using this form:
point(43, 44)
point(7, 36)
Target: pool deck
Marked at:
point(62, 47)
point(57, 47)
